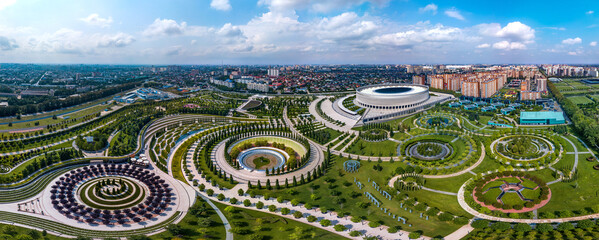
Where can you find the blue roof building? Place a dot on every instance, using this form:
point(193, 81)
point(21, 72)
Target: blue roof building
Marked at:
point(470, 107)
point(488, 109)
point(455, 104)
point(542, 118)
point(507, 110)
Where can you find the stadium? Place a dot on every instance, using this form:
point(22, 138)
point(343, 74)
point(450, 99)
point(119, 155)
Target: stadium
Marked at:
point(391, 97)
point(383, 102)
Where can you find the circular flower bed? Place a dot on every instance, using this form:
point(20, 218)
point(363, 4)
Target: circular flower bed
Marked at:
point(110, 194)
point(511, 192)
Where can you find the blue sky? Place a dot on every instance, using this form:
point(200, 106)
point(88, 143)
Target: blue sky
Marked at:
point(298, 31)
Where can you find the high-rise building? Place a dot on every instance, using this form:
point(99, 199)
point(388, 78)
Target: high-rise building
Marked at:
point(419, 79)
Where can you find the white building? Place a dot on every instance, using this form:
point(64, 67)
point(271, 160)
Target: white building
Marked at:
point(273, 72)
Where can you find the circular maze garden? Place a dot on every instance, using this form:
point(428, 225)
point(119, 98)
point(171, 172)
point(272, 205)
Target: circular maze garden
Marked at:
point(525, 150)
point(111, 194)
point(511, 192)
point(436, 150)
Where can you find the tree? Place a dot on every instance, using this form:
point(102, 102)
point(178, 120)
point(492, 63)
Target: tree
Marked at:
point(325, 222)
point(501, 226)
point(298, 214)
point(522, 227)
point(272, 208)
point(9, 230)
point(311, 218)
point(247, 203)
point(585, 224)
point(174, 229)
point(220, 197)
point(240, 192)
point(414, 235)
point(565, 226)
point(480, 224)
point(259, 205)
point(204, 222)
point(339, 228)
point(374, 224)
point(544, 227)
point(230, 209)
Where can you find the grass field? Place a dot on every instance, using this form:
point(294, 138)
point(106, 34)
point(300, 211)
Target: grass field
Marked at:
point(580, 100)
point(272, 227)
point(350, 199)
point(578, 195)
point(191, 226)
point(376, 149)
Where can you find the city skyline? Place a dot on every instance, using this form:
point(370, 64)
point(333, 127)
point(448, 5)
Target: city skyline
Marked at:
point(298, 32)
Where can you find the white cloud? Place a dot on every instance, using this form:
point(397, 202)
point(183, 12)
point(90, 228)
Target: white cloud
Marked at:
point(117, 40)
point(222, 5)
point(454, 13)
point(484, 45)
point(6, 3)
point(429, 8)
point(347, 28)
point(165, 27)
point(419, 35)
point(505, 45)
point(592, 44)
point(96, 20)
point(572, 53)
point(571, 41)
point(514, 35)
point(316, 5)
point(7, 44)
point(590, 12)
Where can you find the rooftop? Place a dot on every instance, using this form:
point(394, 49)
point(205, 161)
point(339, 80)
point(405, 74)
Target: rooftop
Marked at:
point(542, 115)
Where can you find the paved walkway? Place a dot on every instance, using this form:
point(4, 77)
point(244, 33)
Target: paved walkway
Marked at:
point(327, 107)
point(439, 191)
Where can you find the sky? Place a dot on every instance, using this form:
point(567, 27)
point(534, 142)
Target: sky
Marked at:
point(299, 32)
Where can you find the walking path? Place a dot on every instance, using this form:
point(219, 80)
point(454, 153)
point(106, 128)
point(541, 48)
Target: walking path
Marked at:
point(439, 191)
point(328, 108)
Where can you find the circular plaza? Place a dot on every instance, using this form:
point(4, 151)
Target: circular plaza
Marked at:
point(112, 195)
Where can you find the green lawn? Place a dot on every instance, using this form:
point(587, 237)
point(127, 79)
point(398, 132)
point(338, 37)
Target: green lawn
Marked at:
point(376, 149)
point(580, 100)
point(22, 231)
point(451, 184)
point(577, 195)
point(349, 197)
point(272, 227)
point(193, 229)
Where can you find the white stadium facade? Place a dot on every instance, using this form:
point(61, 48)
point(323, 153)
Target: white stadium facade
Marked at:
point(389, 101)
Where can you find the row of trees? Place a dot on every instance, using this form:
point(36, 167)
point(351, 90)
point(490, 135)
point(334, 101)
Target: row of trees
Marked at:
point(583, 124)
